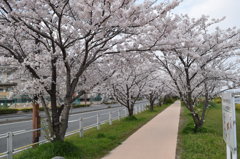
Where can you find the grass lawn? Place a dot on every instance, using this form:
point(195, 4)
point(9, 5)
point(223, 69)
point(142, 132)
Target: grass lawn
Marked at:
point(95, 143)
point(208, 143)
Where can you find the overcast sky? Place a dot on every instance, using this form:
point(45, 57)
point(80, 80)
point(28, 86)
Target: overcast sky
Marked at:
point(214, 8)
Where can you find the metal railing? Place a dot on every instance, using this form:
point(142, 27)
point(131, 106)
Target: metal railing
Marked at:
point(119, 113)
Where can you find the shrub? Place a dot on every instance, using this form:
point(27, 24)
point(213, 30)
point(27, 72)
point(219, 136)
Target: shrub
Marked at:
point(107, 103)
point(101, 135)
point(130, 118)
point(81, 105)
point(7, 111)
point(217, 100)
point(29, 109)
point(168, 100)
point(25, 109)
point(50, 150)
point(212, 104)
point(238, 106)
point(63, 148)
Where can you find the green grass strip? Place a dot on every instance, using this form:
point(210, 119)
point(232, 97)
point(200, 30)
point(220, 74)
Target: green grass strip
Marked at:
point(95, 143)
point(208, 142)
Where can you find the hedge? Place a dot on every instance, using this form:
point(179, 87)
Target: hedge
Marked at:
point(238, 106)
point(81, 105)
point(14, 110)
point(8, 111)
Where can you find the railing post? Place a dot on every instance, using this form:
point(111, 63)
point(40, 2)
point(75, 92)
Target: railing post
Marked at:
point(119, 114)
point(10, 145)
point(234, 155)
point(98, 121)
point(36, 122)
point(81, 127)
point(110, 118)
point(228, 152)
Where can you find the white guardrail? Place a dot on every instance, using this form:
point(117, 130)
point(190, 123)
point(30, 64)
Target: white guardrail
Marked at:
point(9, 136)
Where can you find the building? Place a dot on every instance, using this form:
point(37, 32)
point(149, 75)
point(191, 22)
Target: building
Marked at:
point(6, 86)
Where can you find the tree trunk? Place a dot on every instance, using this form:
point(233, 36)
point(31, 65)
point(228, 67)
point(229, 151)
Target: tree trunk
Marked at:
point(205, 106)
point(130, 108)
point(130, 111)
point(165, 99)
point(190, 104)
point(196, 119)
point(64, 120)
point(159, 102)
point(151, 100)
point(49, 119)
point(206, 103)
point(55, 119)
point(197, 122)
point(60, 122)
point(151, 105)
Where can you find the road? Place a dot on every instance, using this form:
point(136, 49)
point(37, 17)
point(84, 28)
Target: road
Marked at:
point(27, 116)
point(26, 138)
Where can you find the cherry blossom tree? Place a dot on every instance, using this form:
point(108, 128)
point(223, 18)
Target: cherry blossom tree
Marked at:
point(126, 85)
point(156, 88)
point(221, 75)
point(54, 42)
point(190, 59)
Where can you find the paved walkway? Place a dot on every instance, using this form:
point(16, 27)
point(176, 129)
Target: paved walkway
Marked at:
point(155, 140)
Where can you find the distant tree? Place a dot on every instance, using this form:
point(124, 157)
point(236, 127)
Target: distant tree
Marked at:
point(156, 88)
point(128, 83)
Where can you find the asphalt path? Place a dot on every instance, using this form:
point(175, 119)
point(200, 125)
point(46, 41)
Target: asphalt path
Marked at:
point(88, 114)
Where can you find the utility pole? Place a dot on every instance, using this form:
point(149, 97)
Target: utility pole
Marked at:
point(36, 124)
